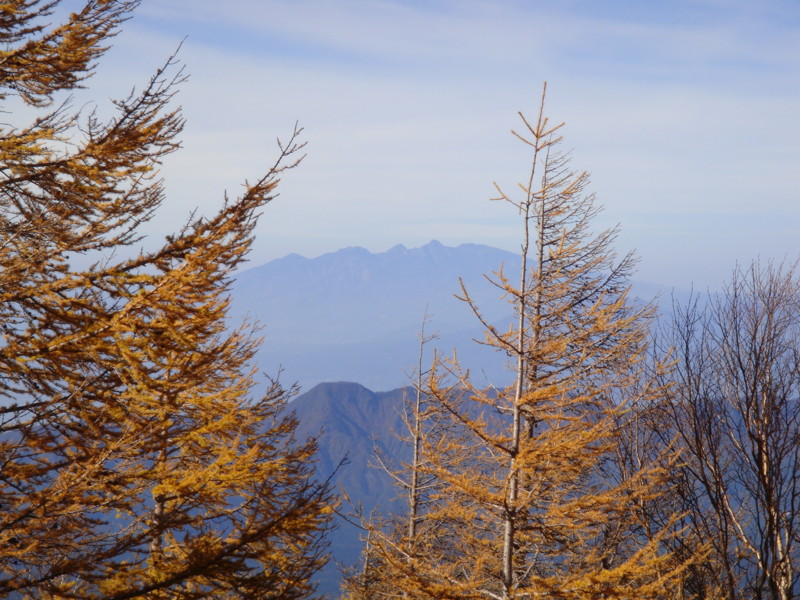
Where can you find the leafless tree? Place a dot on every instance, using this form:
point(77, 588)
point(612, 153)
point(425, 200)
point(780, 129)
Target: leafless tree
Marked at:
point(735, 412)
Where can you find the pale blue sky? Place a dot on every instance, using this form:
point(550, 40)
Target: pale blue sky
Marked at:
point(685, 113)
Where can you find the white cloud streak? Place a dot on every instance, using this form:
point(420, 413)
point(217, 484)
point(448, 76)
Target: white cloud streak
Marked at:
point(684, 111)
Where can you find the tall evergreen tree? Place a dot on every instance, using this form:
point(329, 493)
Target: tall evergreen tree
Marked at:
point(135, 460)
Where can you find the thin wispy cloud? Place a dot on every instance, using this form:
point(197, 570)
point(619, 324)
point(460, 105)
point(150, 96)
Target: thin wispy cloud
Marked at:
point(683, 111)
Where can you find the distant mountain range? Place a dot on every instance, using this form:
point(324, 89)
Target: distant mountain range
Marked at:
point(352, 315)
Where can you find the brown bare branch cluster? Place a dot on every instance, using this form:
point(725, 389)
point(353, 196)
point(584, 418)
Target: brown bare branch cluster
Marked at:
point(734, 412)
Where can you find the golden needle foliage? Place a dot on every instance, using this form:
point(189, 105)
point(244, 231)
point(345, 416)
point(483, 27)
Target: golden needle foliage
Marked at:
point(134, 459)
point(529, 502)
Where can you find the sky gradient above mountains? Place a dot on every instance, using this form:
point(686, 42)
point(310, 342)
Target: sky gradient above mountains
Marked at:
point(684, 112)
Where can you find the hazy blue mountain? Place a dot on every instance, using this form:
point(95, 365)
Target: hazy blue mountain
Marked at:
point(352, 315)
point(352, 422)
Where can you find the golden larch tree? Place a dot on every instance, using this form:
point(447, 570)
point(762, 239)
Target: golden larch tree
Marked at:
point(374, 576)
point(135, 458)
point(530, 503)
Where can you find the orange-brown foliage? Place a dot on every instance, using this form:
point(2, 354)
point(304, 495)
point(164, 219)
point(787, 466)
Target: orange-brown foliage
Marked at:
point(134, 459)
point(529, 502)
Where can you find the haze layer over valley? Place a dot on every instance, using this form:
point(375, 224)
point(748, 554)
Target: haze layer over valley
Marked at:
point(353, 315)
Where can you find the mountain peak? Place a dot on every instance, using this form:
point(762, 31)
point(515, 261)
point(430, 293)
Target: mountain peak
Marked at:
point(435, 248)
point(351, 250)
